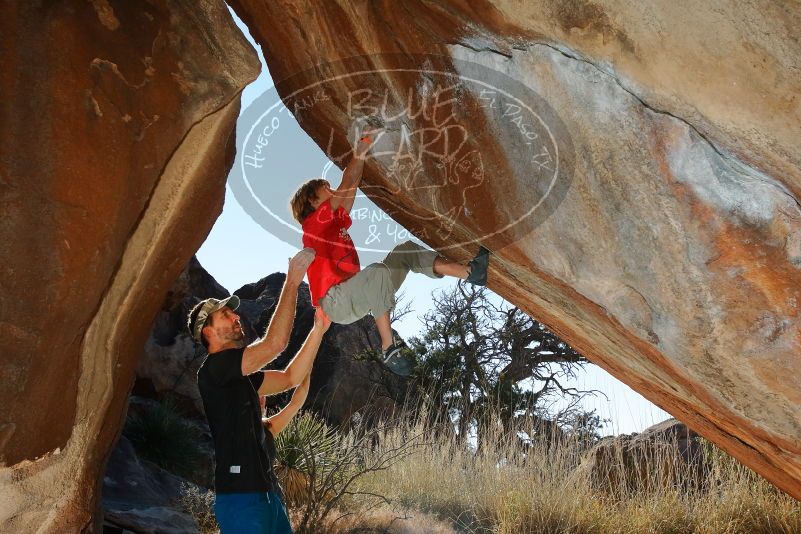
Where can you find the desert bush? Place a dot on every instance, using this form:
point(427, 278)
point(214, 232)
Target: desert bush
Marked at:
point(161, 435)
point(331, 464)
point(199, 503)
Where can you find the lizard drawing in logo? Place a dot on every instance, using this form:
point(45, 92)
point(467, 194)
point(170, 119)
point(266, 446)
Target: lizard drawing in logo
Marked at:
point(462, 173)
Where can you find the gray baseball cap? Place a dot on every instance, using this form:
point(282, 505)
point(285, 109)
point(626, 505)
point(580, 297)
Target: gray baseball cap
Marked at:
point(207, 307)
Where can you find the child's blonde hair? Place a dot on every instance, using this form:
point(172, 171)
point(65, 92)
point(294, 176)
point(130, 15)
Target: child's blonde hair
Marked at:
point(301, 202)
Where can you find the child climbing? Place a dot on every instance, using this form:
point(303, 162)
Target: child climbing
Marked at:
point(343, 290)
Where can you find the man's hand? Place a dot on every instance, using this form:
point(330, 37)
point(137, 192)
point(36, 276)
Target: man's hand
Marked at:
point(321, 320)
point(298, 265)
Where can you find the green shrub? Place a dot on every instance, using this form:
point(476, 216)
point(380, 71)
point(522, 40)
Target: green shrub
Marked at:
point(161, 435)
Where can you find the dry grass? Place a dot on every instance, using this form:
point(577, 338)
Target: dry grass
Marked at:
point(444, 487)
point(543, 489)
point(387, 520)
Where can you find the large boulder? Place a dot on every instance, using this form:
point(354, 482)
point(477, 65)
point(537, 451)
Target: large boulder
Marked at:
point(664, 455)
point(634, 167)
point(142, 497)
point(115, 141)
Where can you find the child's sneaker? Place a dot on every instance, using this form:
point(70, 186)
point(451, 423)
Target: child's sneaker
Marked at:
point(394, 358)
point(478, 268)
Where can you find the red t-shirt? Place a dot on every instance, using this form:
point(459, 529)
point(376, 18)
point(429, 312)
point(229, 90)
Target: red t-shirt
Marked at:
point(336, 260)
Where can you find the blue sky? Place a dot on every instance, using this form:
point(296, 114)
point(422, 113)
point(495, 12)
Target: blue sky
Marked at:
point(239, 251)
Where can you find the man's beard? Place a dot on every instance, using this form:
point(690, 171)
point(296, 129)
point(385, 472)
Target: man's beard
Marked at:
point(237, 336)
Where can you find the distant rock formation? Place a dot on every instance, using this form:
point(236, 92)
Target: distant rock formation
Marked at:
point(634, 167)
point(170, 360)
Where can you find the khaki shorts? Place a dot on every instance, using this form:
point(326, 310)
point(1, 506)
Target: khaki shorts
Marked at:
point(372, 290)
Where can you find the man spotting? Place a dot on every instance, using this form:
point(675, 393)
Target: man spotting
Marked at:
point(231, 382)
point(338, 285)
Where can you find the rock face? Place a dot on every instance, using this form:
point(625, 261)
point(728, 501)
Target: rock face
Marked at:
point(634, 167)
point(142, 497)
point(170, 359)
point(115, 140)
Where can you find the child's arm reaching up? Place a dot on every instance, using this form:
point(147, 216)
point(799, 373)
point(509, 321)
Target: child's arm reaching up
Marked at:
point(345, 194)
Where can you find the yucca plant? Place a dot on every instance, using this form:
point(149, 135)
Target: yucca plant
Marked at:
point(318, 468)
point(304, 449)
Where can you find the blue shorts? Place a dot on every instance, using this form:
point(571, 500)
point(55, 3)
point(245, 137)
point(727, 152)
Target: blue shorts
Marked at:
point(251, 513)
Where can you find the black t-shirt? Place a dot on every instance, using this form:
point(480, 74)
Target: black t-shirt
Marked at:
point(243, 450)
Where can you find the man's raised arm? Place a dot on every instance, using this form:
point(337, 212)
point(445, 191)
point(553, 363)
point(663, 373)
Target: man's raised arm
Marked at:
point(264, 350)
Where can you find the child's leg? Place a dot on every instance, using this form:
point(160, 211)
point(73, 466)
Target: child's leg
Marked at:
point(372, 290)
point(409, 256)
point(384, 330)
point(449, 268)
